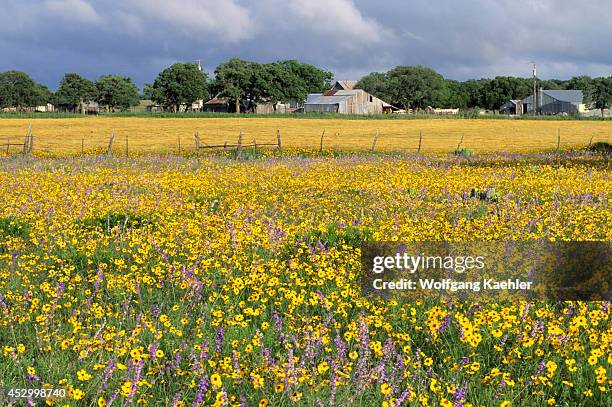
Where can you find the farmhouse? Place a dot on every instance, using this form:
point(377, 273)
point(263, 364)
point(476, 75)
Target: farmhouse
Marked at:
point(550, 102)
point(346, 101)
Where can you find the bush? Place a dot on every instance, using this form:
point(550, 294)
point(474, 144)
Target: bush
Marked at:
point(463, 152)
point(601, 147)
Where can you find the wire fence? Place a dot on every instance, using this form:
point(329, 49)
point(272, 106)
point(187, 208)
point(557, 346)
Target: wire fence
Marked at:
point(126, 143)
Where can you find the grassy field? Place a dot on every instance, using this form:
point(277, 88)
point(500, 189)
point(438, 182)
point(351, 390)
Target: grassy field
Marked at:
point(67, 135)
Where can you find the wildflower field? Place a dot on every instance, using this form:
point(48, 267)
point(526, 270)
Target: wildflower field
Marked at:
point(70, 135)
point(205, 280)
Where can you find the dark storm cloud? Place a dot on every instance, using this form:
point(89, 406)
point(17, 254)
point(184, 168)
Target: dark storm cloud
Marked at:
point(472, 38)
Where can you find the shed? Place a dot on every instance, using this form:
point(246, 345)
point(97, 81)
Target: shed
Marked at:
point(512, 107)
point(215, 105)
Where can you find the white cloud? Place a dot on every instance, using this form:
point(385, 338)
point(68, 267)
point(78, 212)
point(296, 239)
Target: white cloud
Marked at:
point(338, 21)
point(75, 10)
point(223, 20)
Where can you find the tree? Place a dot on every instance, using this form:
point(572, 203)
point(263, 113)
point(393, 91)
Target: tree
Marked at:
point(455, 96)
point(42, 95)
point(602, 93)
point(233, 80)
point(503, 88)
point(281, 81)
point(180, 84)
point(375, 83)
point(74, 90)
point(583, 83)
point(415, 87)
point(116, 92)
point(474, 91)
point(18, 90)
point(304, 79)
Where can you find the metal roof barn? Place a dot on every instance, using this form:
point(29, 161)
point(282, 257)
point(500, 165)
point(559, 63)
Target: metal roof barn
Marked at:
point(355, 101)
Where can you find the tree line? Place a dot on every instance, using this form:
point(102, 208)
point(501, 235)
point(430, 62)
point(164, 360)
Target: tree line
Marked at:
point(244, 84)
point(417, 87)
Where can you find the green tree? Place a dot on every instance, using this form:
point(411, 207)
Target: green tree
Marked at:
point(233, 80)
point(74, 90)
point(375, 83)
point(455, 96)
point(602, 93)
point(42, 95)
point(583, 83)
point(303, 79)
point(18, 90)
point(416, 87)
point(116, 91)
point(503, 88)
point(180, 84)
point(475, 91)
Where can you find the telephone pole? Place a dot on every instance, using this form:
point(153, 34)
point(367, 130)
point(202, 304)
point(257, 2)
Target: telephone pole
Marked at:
point(535, 99)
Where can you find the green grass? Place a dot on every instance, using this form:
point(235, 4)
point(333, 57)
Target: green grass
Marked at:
point(212, 115)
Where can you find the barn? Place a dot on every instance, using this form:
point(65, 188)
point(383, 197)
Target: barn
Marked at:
point(345, 101)
point(550, 102)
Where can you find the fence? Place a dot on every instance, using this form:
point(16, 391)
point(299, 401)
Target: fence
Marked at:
point(124, 144)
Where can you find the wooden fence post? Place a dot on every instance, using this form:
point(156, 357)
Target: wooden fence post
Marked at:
point(197, 139)
point(82, 146)
point(321, 144)
point(179, 142)
point(278, 139)
point(8, 145)
point(254, 145)
point(591, 140)
point(31, 144)
point(558, 138)
point(239, 145)
point(375, 138)
point(26, 142)
point(420, 141)
point(126, 145)
point(110, 143)
point(460, 142)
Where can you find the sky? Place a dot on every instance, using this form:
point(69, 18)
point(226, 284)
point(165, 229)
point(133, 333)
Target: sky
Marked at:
point(461, 39)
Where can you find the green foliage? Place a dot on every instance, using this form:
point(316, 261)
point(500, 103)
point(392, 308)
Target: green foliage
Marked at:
point(334, 236)
point(601, 147)
point(602, 93)
point(18, 90)
point(503, 88)
point(116, 92)
point(415, 87)
point(13, 227)
point(73, 90)
point(252, 83)
point(179, 84)
point(463, 152)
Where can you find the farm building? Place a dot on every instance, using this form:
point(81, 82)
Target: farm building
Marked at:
point(216, 105)
point(550, 102)
point(512, 107)
point(346, 101)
